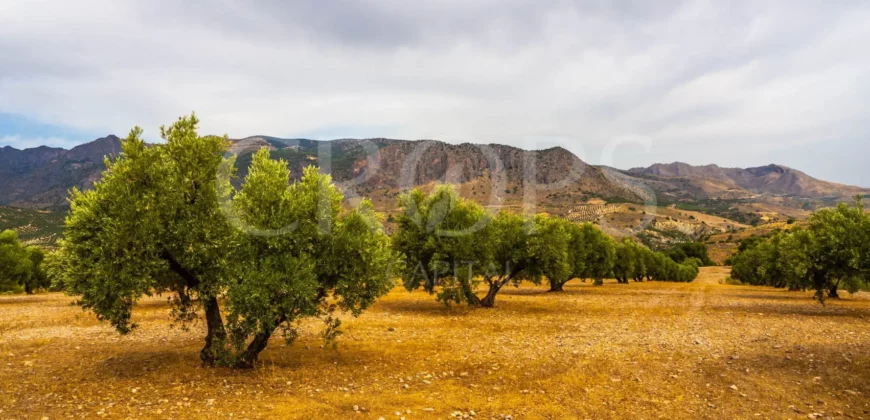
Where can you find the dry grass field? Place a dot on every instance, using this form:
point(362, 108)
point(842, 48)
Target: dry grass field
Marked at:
point(643, 350)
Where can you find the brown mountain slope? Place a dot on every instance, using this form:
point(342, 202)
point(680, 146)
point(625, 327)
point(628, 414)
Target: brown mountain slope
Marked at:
point(490, 174)
point(40, 177)
point(377, 168)
point(771, 180)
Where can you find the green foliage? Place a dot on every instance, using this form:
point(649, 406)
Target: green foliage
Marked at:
point(635, 262)
point(683, 251)
point(831, 253)
point(444, 239)
point(165, 219)
point(21, 266)
point(549, 252)
point(628, 261)
point(594, 253)
point(150, 225)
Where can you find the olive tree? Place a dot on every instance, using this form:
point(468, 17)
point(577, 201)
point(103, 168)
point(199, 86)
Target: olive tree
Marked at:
point(445, 242)
point(302, 251)
point(764, 263)
point(549, 251)
point(832, 252)
point(451, 246)
point(595, 254)
point(20, 265)
point(162, 220)
point(507, 254)
point(627, 258)
point(152, 225)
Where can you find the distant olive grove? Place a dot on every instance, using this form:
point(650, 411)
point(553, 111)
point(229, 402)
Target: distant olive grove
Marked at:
point(451, 245)
point(831, 253)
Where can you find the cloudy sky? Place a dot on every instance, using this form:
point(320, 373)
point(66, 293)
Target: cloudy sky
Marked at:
point(623, 83)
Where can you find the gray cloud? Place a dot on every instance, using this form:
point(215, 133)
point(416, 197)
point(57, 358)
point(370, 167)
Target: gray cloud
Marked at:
point(734, 83)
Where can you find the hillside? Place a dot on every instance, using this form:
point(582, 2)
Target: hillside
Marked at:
point(659, 205)
point(712, 181)
point(493, 174)
point(39, 178)
point(34, 227)
point(489, 174)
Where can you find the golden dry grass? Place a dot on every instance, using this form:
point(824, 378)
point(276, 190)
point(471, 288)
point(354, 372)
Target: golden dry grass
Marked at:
point(643, 350)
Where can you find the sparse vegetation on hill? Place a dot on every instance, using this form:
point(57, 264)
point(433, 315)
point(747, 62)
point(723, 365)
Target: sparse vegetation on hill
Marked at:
point(728, 209)
point(34, 227)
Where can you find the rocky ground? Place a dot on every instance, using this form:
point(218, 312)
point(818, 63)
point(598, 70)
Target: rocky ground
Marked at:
point(643, 350)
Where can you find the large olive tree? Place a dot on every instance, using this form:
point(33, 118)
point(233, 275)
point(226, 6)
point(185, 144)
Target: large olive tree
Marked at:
point(163, 220)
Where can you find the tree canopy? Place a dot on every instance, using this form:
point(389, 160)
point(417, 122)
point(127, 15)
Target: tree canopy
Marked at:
point(451, 245)
point(165, 219)
point(682, 252)
point(831, 253)
point(20, 265)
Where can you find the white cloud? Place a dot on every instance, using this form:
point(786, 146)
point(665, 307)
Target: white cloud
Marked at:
point(706, 81)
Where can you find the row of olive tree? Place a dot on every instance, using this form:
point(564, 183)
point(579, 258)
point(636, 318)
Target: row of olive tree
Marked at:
point(20, 265)
point(831, 253)
point(452, 245)
point(636, 262)
point(164, 219)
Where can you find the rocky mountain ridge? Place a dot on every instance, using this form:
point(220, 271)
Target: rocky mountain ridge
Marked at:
point(493, 174)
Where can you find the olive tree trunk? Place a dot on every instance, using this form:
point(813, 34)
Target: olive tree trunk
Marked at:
point(488, 301)
point(832, 292)
point(216, 336)
point(557, 286)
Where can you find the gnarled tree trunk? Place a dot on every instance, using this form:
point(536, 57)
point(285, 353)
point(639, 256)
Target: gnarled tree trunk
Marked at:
point(488, 301)
point(470, 297)
point(249, 357)
point(216, 336)
point(832, 292)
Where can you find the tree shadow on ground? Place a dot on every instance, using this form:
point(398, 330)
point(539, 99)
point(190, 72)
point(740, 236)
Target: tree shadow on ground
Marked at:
point(29, 299)
point(810, 308)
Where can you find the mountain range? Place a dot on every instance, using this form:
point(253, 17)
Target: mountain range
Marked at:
point(40, 177)
point(493, 174)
